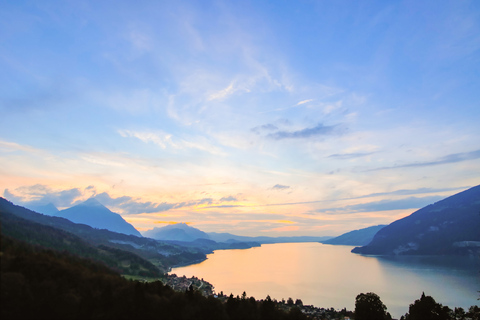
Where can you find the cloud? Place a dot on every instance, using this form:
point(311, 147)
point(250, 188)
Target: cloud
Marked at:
point(319, 130)
point(284, 229)
point(371, 195)
point(226, 206)
point(41, 195)
point(353, 155)
point(303, 102)
point(6, 146)
point(384, 205)
point(229, 198)
point(135, 206)
point(265, 127)
point(159, 138)
point(406, 192)
point(222, 93)
point(451, 158)
point(280, 187)
point(165, 140)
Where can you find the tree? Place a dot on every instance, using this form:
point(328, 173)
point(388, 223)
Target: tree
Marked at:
point(474, 313)
point(368, 306)
point(290, 301)
point(426, 308)
point(267, 309)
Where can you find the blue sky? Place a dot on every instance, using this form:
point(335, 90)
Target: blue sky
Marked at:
point(249, 117)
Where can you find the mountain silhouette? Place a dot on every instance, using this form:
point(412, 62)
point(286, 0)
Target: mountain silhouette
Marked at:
point(359, 237)
point(449, 226)
point(176, 232)
point(96, 215)
point(48, 209)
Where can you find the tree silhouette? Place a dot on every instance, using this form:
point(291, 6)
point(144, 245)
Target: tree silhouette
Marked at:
point(426, 308)
point(368, 306)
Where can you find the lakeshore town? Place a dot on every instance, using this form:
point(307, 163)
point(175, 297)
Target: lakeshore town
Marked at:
point(206, 289)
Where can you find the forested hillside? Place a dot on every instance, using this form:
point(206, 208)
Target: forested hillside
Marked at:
point(450, 226)
point(61, 234)
point(44, 284)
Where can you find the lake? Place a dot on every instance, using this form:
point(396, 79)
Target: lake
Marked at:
point(331, 276)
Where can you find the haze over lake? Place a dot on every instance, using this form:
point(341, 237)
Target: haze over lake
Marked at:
point(331, 276)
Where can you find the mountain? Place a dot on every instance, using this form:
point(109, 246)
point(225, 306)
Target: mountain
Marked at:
point(94, 214)
point(45, 236)
point(60, 234)
point(449, 226)
point(176, 232)
point(228, 237)
point(360, 237)
point(48, 209)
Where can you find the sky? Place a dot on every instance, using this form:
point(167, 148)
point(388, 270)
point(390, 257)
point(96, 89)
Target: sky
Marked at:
point(272, 118)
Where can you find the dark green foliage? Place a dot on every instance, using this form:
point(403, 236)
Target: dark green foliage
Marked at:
point(44, 284)
point(163, 255)
point(473, 313)
point(368, 306)
point(426, 308)
point(59, 240)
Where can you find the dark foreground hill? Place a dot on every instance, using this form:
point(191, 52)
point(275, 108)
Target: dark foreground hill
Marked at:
point(61, 234)
point(43, 284)
point(449, 226)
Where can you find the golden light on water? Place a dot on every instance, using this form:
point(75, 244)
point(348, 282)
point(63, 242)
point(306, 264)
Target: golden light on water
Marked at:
point(330, 276)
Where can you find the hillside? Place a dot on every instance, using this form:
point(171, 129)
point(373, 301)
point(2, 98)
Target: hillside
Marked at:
point(42, 284)
point(94, 214)
point(449, 226)
point(360, 237)
point(161, 254)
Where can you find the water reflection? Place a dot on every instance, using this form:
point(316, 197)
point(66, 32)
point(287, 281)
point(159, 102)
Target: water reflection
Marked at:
point(331, 276)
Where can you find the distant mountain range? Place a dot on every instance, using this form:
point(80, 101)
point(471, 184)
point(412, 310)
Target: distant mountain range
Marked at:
point(360, 237)
point(92, 213)
point(228, 237)
point(449, 226)
point(186, 233)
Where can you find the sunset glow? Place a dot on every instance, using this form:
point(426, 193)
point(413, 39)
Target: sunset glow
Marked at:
point(249, 117)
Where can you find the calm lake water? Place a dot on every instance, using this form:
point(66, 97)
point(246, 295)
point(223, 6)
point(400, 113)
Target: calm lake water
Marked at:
point(331, 276)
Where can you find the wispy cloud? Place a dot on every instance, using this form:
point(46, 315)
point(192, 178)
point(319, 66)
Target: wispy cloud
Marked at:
point(131, 205)
point(304, 101)
point(406, 192)
point(41, 195)
point(318, 130)
point(265, 127)
point(222, 93)
point(7, 146)
point(346, 156)
point(451, 158)
point(371, 195)
point(165, 140)
point(384, 205)
point(229, 198)
point(280, 187)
